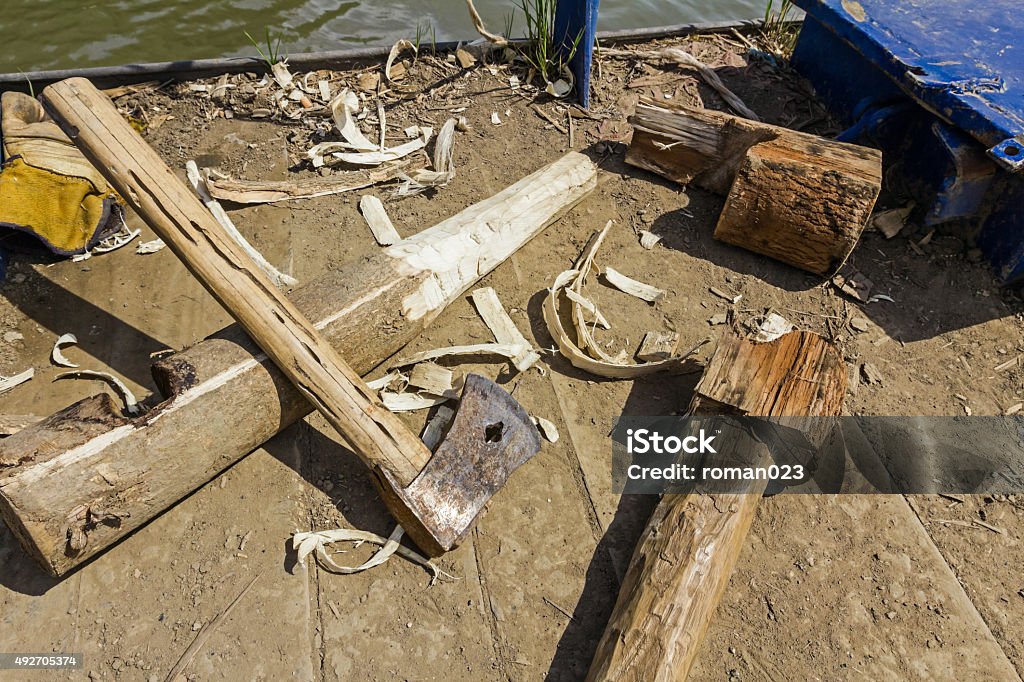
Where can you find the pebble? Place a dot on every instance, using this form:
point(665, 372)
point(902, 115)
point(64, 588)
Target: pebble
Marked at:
point(196, 626)
point(11, 337)
point(860, 324)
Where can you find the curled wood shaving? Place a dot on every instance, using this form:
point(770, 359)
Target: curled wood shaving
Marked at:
point(444, 170)
point(680, 56)
point(56, 356)
point(344, 108)
point(220, 215)
point(602, 365)
point(397, 49)
point(410, 402)
point(546, 428)
point(281, 74)
point(131, 405)
point(7, 383)
point(632, 287)
point(508, 350)
point(504, 329)
point(316, 541)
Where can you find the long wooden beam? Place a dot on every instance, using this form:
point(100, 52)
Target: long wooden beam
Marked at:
point(84, 478)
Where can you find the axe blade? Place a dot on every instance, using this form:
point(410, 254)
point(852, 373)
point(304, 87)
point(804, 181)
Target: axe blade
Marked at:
point(490, 437)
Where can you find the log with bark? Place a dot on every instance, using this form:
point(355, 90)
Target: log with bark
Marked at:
point(796, 197)
point(87, 476)
point(682, 565)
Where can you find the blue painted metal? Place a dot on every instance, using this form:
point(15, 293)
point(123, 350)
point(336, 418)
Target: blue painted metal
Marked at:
point(576, 26)
point(939, 87)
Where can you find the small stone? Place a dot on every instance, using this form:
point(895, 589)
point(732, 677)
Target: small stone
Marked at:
point(890, 615)
point(196, 626)
point(720, 318)
point(870, 374)
point(409, 624)
point(137, 573)
point(117, 664)
point(860, 324)
point(11, 337)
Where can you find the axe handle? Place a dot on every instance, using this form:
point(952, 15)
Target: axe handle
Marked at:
point(163, 201)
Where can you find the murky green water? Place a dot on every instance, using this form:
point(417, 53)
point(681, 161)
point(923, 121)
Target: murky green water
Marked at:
point(50, 34)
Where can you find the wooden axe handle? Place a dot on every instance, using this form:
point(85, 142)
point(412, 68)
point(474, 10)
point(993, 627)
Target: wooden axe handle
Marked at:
point(152, 190)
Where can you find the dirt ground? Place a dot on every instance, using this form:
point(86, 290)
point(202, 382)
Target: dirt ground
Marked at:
point(828, 587)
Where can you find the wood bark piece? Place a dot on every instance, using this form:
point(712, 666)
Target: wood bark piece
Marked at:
point(220, 264)
point(682, 565)
point(795, 197)
point(270, 191)
point(88, 471)
point(377, 218)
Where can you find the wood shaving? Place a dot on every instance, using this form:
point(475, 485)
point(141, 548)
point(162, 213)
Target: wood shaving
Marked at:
point(546, 428)
point(649, 240)
point(220, 215)
point(131, 405)
point(773, 327)
point(410, 402)
point(377, 218)
point(145, 248)
point(588, 306)
point(56, 357)
point(388, 381)
point(7, 383)
point(644, 292)
point(344, 109)
point(316, 542)
point(432, 378)
point(508, 350)
point(397, 49)
point(504, 329)
point(269, 191)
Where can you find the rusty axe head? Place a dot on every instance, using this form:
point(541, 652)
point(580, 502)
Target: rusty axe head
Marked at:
point(490, 437)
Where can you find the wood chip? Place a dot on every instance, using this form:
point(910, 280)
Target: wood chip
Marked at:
point(146, 248)
point(644, 292)
point(1013, 409)
point(546, 428)
point(657, 346)
point(464, 58)
point(891, 222)
point(588, 306)
point(504, 329)
point(377, 218)
point(495, 119)
point(773, 327)
point(853, 283)
point(860, 324)
point(649, 240)
point(431, 377)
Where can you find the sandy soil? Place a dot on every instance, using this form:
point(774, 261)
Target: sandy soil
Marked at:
point(829, 587)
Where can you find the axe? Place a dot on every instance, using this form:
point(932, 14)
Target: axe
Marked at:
point(435, 497)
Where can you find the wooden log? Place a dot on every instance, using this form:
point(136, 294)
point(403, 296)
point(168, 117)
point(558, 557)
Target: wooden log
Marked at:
point(799, 198)
point(86, 477)
point(682, 565)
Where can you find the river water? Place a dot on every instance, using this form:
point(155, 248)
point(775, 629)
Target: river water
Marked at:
point(51, 34)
